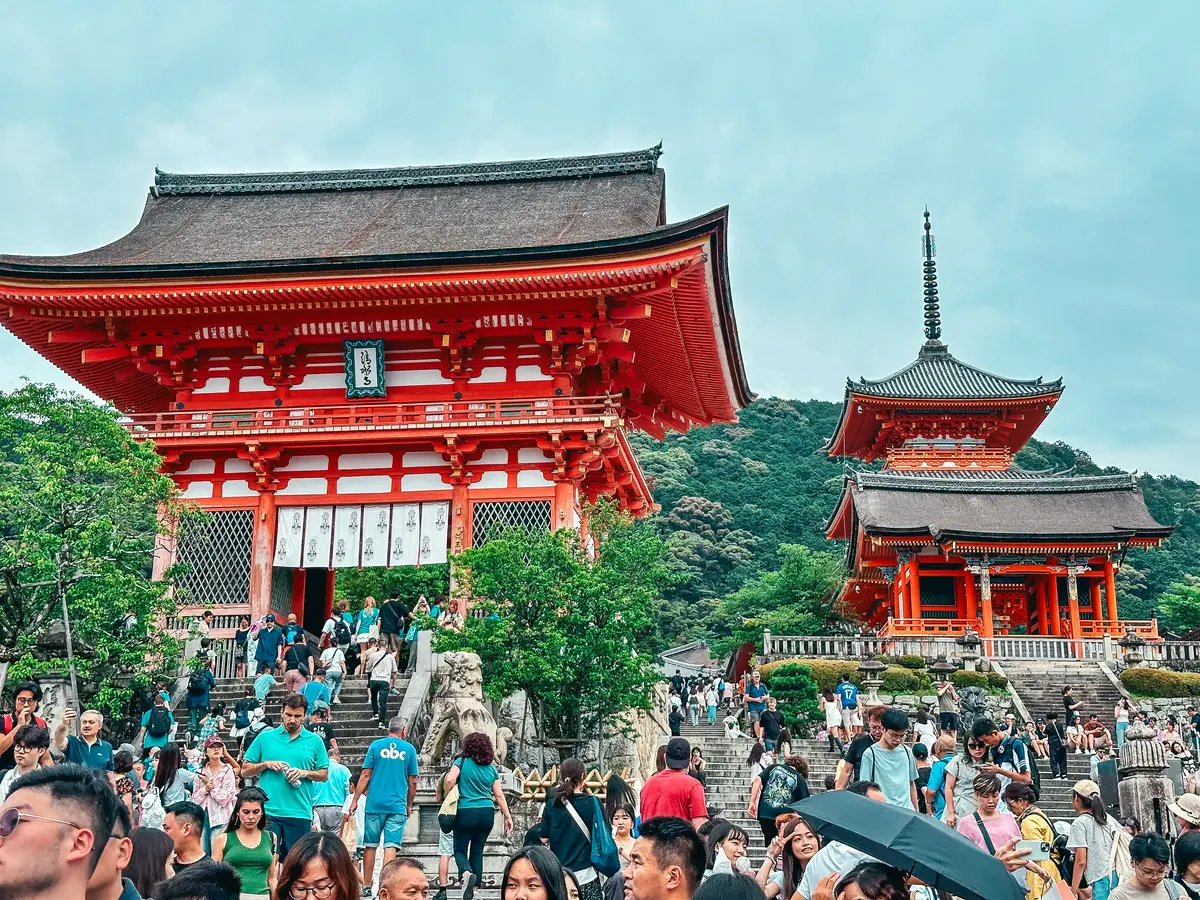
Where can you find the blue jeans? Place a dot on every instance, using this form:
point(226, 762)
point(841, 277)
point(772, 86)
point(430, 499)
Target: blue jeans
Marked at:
point(693, 715)
point(334, 677)
point(1121, 726)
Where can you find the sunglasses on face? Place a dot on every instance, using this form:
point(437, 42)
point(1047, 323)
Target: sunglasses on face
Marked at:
point(975, 746)
point(11, 818)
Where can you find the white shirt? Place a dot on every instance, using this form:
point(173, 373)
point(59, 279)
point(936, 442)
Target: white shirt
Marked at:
point(383, 668)
point(333, 658)
point(711, 697)
point(833, 857)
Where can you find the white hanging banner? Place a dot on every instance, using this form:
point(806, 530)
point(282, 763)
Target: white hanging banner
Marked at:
point(318, 536)
point(435, 529)
point(377, 525)
point(405, 535)
point(347, 536)
point(289, 532)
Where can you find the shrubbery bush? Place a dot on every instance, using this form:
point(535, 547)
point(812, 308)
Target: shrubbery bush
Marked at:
point(969, 679)
point(828, 672)
point(1160, 683)
point(793, 686)
point(913, 662)
point(996, 680)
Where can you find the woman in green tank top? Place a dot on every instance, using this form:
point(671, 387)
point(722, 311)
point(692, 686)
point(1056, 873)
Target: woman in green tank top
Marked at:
point(248, 847)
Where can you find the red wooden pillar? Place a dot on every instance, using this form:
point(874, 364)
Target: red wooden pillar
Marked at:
point(460, 534)
point(299, 583)
point(262, 555)
point(914, 590)
point(329, 582)
point(1055, 612)
point(1110, 588)
point(1043, 608)
point(968, 582)
point(960, 599)
point(1094, 592)
point(1073, 610)
point(564, 504)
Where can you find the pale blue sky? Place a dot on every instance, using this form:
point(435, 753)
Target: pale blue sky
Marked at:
point(1056, 144)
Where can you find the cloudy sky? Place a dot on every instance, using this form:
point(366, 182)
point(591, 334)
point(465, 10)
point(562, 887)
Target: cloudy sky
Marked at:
point(1057, 145)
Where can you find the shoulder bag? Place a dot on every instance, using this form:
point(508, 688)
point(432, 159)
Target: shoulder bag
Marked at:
point(604, 857)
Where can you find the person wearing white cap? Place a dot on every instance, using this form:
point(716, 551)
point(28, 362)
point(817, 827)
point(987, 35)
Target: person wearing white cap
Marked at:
point(1186, 810)
point(1091, 838)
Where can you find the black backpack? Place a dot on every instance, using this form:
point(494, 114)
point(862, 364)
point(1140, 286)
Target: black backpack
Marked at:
point(342, 632)
point(159, 724)
point(197, 683)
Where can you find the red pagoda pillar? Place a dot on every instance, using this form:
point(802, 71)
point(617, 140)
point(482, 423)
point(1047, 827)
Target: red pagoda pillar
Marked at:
point(1073, 609)
point(968, 583)
point(262, 554)
point(914, 587)
point(1055, 609)
point(1094, 595)
point(1110, 588)
point(1042, 608)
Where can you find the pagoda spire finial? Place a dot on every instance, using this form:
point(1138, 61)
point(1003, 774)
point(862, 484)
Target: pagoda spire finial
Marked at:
point(933, 315)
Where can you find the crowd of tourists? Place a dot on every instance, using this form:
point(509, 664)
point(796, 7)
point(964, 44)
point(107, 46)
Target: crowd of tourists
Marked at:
point(248, 809)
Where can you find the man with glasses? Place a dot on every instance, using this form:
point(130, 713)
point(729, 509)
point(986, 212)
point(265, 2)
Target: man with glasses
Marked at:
point(1150, 854)
point(890, 763)
point(851, 764)
point(108, 881)
point(54, 827)
point(26, 699)
point(29, 746)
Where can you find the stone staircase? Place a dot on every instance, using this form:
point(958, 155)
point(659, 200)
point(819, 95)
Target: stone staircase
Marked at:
point(1040, 684)
point(728, 781)
point(352, 720)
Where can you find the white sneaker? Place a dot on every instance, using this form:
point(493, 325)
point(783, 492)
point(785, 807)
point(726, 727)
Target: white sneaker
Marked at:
point(468, 889)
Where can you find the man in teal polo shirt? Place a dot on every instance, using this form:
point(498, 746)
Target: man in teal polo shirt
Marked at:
point(289, 758)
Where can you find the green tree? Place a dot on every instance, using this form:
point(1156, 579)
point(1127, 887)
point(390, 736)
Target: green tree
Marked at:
point(797, 598)
point(405, 582)
point(793, 686)
point(1180, 604)
point(573, 633)
point(79, 502)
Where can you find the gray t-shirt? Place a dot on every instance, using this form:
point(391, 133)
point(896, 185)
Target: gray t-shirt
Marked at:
point(893, 770)
point(1128, 890)
point(946, 702)
point(1087, 832)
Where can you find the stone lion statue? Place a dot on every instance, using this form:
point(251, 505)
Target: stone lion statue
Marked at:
point(458, 708)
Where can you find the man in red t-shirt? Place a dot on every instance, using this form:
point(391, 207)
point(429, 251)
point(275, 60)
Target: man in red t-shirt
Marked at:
point(673, 792)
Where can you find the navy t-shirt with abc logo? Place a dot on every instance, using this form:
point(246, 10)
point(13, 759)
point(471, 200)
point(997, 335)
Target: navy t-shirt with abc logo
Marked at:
point(391, 761)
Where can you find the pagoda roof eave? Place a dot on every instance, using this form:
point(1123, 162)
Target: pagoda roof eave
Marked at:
point(35, 269)
point(710, 288)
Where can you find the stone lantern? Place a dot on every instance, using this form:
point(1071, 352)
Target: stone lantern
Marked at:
point(1144, 792)
point(970, 644)
point(941, 667)
point(1132, 644)
point(872, 671)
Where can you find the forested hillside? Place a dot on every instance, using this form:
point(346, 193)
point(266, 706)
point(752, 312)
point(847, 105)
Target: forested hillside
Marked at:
point(733, 495)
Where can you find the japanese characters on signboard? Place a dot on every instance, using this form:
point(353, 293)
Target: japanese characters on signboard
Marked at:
point(365, 375)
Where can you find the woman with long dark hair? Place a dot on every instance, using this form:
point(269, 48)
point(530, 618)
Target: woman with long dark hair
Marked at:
point(318, 867)
point(725, 849)
point(786, 858)
point(1091, 838)
point(533, 873)
point(568, 828)
point(248, 846)
point(150, 863)
point(479, 796)
point(171, 778)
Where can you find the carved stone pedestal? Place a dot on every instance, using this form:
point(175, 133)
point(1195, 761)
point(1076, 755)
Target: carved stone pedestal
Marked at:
point(1144, 792)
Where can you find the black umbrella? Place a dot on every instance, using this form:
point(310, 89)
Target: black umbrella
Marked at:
point(917, 844)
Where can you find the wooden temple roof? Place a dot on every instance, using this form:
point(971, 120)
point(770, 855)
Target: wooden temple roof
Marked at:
point(1008, 506)
point(201, 220)
point(937, 375)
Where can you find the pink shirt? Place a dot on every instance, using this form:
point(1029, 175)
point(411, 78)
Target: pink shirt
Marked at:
point(1001, 830)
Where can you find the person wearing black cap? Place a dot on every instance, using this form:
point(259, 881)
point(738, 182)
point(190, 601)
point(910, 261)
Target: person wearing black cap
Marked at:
point(672, 792)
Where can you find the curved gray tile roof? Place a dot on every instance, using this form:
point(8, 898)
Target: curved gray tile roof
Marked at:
point(213, 219)
point(936, 374)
